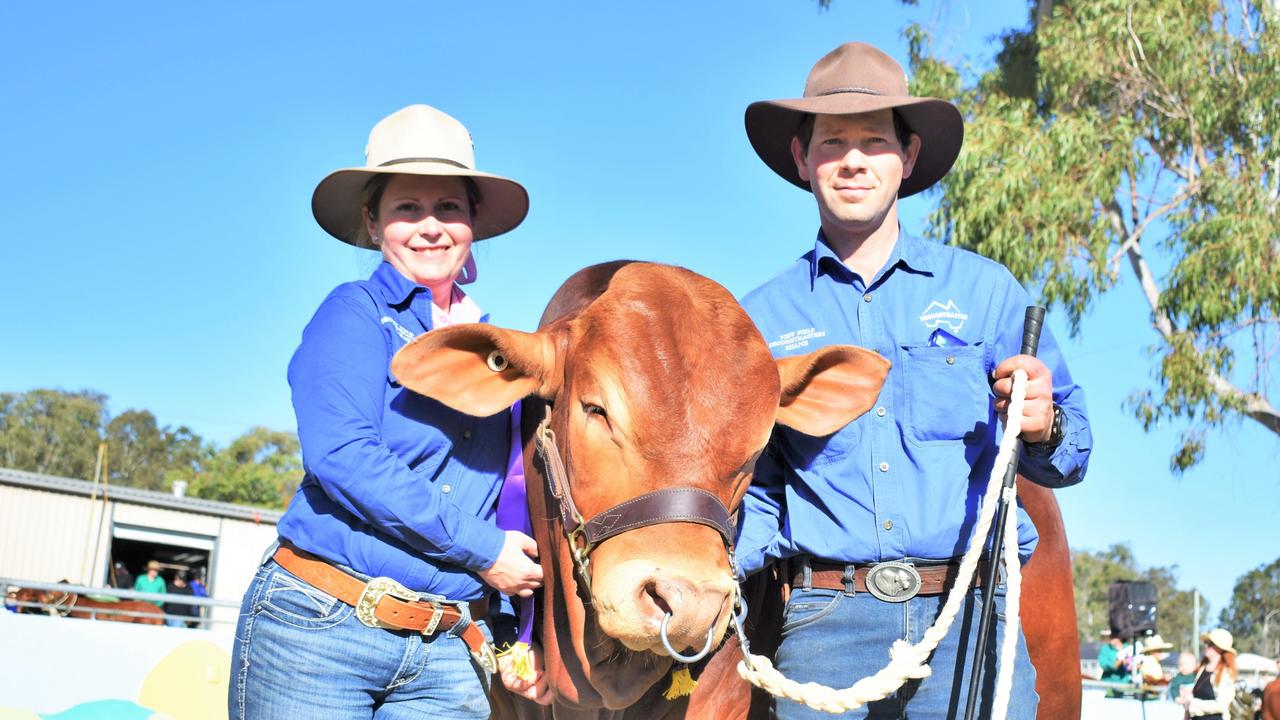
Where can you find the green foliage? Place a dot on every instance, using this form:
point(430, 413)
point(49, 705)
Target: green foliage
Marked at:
point(54, 432)
point(1255, 597)
point(1108, 129)
point(51, 431)
point(1095, 571)
point(262, 467)
point(143, 455)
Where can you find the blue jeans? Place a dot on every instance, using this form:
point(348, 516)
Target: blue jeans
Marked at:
point(300, 653)
point(834, 638)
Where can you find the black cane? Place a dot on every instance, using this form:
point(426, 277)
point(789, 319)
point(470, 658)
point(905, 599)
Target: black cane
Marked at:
point(1030, 343)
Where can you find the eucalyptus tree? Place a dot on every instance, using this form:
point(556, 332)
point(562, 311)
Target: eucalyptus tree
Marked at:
point(1116, 137)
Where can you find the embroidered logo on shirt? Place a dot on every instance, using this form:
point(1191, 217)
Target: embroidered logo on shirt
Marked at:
point(797, 338)
point(938, 314)
point(401, 330)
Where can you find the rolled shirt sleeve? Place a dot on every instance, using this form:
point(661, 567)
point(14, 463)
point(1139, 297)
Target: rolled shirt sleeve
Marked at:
point(1065, 464)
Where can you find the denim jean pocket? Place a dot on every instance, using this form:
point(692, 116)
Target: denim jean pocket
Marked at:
point(295, 602)
point(809, 606)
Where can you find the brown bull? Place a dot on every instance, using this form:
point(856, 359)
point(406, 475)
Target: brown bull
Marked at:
point(655, 378)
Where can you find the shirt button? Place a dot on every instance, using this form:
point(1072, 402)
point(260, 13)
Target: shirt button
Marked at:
point(951, 359)
point(888, 524)
point(884, 467)
point(880, 411)
point(445, 488)
point(866, 298)
point(466, 434)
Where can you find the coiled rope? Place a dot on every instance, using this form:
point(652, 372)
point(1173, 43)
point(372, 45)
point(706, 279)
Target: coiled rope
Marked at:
point(910, 662)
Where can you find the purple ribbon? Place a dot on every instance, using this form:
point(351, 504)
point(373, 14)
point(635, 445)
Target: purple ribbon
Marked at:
point(513, 514)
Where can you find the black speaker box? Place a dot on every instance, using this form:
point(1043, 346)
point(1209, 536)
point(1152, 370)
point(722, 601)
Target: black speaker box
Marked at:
point(1133, 609)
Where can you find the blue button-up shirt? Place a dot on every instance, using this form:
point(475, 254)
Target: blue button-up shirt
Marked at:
point(396, 484)
point(905, 479)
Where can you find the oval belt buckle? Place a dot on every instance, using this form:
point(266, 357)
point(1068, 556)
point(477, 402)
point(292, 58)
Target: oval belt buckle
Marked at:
point(893, 581)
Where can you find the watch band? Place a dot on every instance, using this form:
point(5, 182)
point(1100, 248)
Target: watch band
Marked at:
point(1057, 431)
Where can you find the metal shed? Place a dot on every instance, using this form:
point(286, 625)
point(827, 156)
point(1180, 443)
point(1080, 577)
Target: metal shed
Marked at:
point(55, 528)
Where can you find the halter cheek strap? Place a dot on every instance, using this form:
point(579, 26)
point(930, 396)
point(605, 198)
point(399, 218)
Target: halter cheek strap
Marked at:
point(677, 504)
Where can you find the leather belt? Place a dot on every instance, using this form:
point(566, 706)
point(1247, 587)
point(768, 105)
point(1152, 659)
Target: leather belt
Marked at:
point(383, 602)
point(890, 581)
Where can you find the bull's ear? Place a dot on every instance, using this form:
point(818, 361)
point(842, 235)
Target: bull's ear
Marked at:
point(826, 389)
point(478, 369)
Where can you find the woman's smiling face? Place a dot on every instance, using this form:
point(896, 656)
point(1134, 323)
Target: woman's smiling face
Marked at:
point(423, 227)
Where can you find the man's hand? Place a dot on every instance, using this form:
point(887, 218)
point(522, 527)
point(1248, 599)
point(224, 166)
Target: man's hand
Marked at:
point(1037, 411)
point(515, 572)
point(536, 689)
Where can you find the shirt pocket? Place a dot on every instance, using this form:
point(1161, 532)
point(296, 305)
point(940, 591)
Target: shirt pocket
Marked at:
point(947, 395)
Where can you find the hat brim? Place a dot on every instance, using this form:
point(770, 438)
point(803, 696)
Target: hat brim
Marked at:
point(771, 124)
point(336, 202)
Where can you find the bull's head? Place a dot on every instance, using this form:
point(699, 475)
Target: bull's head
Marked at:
point(656, 378)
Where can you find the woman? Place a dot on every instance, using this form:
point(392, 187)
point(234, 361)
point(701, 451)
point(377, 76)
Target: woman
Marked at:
point(375, 602)
point(1215, 686)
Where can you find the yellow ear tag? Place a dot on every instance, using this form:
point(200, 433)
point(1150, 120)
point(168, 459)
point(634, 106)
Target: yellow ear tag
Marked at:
point(522, 661)
point(682, 684)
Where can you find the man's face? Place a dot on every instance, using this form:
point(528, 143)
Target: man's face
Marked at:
point(855, 166)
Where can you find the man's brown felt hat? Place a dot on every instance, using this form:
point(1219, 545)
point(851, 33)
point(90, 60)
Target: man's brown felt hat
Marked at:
point(858, 78)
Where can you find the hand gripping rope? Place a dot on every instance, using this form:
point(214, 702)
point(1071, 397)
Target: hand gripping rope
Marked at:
point(907, 661)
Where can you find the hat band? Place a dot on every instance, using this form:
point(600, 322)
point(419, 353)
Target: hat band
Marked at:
point(445, 161)
point(859, 90)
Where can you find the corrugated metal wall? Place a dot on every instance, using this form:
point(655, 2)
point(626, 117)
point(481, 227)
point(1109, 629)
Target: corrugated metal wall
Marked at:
point(44, 535)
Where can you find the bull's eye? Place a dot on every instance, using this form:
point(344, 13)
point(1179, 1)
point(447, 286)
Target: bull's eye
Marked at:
point(497, 361)
point(593, 409)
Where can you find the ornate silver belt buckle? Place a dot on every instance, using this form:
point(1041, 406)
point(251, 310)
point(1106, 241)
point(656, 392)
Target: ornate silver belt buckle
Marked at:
point(367, 605)
point(893, 581)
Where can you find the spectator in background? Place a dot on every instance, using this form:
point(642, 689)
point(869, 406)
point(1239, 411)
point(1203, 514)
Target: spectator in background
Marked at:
point(1215, 687)
point(180, 611)
point(1111, 661)
point(1186, 675)
point(197, 584)
point(1147, 669)
point(120, 576)
point(151, 582)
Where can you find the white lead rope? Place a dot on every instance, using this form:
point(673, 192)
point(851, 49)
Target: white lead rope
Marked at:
point(907, 661)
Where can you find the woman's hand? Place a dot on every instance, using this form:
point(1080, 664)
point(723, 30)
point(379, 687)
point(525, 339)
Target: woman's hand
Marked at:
point(536, 689)
point(515, 572)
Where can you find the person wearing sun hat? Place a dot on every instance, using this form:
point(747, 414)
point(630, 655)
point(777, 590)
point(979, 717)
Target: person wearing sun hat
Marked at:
point(374, 601)
point(868, 524)
point(1215, 687)
point(1147, 669)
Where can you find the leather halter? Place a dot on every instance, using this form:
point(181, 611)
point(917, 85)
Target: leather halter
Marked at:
point(677, 504)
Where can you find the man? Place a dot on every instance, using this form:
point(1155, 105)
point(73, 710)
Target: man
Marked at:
point(872, 519)
point(151, 582)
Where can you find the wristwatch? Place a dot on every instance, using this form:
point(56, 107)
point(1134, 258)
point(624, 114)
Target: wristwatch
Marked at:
point(1056, 432)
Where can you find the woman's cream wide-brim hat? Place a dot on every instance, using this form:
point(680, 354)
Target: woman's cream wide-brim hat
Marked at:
point(417, 140)
point(1221, 639)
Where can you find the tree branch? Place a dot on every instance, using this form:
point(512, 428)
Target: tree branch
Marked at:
point(1254, 405)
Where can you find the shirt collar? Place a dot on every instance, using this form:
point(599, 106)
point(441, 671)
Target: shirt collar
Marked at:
point(396, 288)
point(909, 251)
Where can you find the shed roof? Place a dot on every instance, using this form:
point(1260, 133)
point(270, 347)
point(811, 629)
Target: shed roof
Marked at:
point(136, 496)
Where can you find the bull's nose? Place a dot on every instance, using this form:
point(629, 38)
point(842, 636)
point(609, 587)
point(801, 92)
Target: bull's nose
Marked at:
point(678, 598)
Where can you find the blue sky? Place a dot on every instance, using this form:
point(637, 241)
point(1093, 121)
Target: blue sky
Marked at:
point(161, 158)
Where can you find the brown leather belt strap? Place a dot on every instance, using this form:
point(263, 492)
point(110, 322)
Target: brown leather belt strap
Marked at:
point(382, 602)
point(934, 579)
